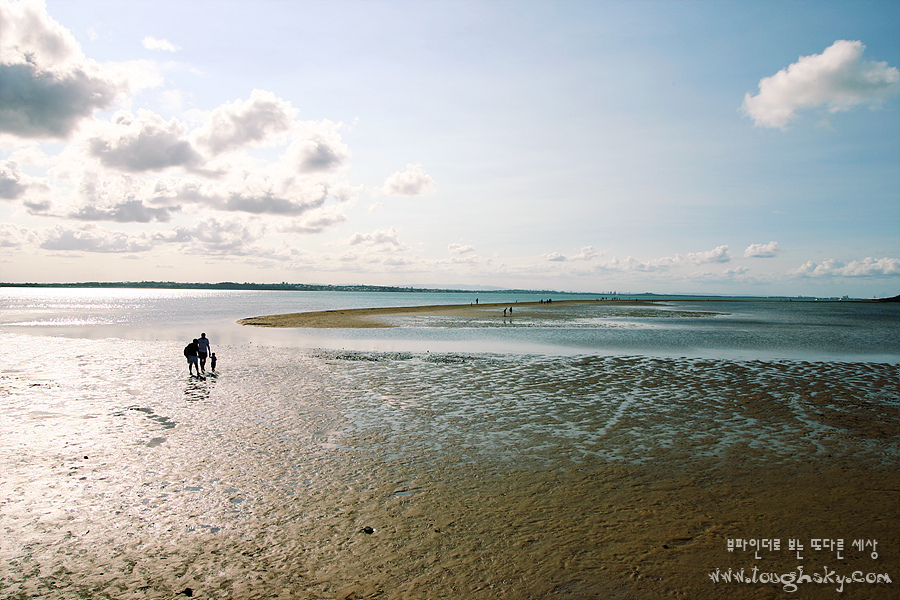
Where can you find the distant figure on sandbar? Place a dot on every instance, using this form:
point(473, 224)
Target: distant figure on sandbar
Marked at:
point(203, 350)
point(191, 352)
point(212, 361)
point(476, 300)
point(504, 312)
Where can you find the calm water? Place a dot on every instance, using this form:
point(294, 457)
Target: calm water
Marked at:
point(123, 477)
point(719, 329)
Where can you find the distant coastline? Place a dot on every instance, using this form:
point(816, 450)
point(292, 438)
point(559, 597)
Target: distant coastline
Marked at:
point(312, 287)
point(282, 287)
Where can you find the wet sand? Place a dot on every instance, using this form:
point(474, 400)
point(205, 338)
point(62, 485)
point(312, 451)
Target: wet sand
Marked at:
point(373, 317)
point(348, 475)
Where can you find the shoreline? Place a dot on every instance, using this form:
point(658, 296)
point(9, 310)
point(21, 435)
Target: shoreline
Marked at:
point(369, 318)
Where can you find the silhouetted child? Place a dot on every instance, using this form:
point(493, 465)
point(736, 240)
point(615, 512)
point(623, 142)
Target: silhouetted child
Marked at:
point(212, 361)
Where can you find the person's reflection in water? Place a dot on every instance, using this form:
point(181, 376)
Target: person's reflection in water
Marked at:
point(198, 389)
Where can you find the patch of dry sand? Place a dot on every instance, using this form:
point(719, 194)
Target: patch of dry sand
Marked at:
point(370, 317)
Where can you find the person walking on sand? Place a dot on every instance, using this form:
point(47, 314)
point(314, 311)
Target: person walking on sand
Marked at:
point(203, 350)
point(191, 352)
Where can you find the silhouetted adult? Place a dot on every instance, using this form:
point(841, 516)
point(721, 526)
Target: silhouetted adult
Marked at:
point(203, 350)
point(192, 353)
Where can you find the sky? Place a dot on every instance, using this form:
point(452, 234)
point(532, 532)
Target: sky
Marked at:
point(739, 148)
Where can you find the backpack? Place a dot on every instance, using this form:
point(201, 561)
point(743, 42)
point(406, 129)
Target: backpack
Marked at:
point(187, 350)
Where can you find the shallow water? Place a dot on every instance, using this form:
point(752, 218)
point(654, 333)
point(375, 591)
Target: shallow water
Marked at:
point(479, 474)
point(820, 331)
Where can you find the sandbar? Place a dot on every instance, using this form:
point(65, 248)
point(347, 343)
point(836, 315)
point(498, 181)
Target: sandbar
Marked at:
point(357, 318)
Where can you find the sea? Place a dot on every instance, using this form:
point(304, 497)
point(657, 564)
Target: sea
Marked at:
point(445, 457)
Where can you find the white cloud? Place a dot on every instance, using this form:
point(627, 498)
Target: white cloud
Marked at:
point(380, 239)
point(762, 250)
point(216, 237)
point(47, 85)
point(838, 79)
point(317, 149)
point(727, 276)
point(585, 253)
point(316, 221)
point(460, 248)
point(34, 193)
point(93, 239)
point(143, 143)
point(868, 267)
point(269, 192)
point(131, 211)
point(14, 236)
point(718, 254)
point(152, 43)
point(242, 123)
point(412, 181)
point(629, 263)
point(29, 36)
point(12, 185)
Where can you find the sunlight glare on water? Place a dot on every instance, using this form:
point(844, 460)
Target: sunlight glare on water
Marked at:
point(303, 466)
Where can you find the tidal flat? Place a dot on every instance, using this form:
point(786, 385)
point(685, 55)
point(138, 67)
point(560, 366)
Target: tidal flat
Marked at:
point(346, 474)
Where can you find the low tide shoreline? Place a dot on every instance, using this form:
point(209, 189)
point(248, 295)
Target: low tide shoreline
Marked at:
point(361, 318)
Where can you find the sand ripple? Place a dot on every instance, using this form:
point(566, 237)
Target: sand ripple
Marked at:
point(333, 474)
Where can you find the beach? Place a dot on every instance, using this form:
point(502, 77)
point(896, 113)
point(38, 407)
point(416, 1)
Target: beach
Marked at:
point(329, 473)
point(360, 318)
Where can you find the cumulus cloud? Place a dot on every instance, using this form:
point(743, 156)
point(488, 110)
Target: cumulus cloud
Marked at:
point(762, 250)
point(380, 239)
point(267, 203)
point(245, 122)
point(11, 184)
point(868, 267)
point(585, 253)
point(119, 197)
point(629, 263)
point(318, 222)
point(14, 236)
point(231, 237)
point(144, 143)
point(47, 85)
point(718, 254)
point(152, 43)
point(15, 185)
point(265, 193)
point(460, 248)
point(40, 105)
point(93, 239)
point(412, 181)
point(132, 211)
point(317, 149)
point(838, 79)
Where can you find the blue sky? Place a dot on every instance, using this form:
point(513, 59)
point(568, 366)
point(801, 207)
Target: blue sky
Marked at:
point(695, 147)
